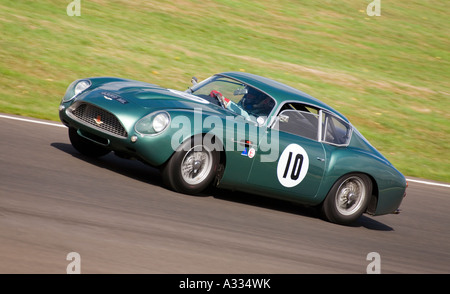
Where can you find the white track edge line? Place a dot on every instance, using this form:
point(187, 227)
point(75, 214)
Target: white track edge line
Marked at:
point(63, 126)
point(428, 183)
point(33, 121)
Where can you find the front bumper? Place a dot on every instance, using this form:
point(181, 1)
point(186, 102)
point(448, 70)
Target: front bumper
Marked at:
point(116, 132)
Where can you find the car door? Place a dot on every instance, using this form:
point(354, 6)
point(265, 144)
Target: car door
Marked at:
point(239, 137)
point(289, 161)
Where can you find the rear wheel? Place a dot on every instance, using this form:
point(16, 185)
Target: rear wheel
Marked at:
point(347, 199)
point(191, 168)
point(85, 146)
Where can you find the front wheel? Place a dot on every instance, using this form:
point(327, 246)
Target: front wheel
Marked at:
point(347, 199)
point(192, 168)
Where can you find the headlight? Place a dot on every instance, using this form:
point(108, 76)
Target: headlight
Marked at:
point(75, 89)
point(153, 123)
point(81, 86)
point(160, 122)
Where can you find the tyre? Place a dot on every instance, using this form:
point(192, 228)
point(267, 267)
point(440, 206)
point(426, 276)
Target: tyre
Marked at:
point(192, 168)
point(85, 146)
point(347, 199)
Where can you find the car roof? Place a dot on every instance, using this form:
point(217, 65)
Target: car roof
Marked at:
point(279, 91)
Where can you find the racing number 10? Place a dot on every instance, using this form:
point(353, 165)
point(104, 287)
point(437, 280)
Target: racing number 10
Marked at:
point(296, 168)
point(292, 166)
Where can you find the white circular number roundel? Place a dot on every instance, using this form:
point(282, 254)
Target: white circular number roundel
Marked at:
point(292, 165)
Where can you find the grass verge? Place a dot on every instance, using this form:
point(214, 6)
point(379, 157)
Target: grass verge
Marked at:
point(388, 74)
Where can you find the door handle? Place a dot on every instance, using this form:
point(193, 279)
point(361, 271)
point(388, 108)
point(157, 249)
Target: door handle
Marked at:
point(246, 143)
point(320, 159)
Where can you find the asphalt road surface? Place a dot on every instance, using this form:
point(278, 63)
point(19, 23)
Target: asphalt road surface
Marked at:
point(118, 217)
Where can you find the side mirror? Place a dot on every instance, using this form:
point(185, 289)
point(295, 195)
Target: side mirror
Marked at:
point(194, 81)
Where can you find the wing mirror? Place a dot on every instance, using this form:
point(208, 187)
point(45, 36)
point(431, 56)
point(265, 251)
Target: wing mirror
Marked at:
point(194, 82)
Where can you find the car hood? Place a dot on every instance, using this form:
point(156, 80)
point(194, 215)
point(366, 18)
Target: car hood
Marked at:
point(116, 93)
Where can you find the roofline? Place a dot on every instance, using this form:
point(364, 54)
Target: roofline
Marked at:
point(267, 85)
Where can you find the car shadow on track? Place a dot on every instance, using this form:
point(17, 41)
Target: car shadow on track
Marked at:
point(147, 174)
point(130, 168)
point(290, 207)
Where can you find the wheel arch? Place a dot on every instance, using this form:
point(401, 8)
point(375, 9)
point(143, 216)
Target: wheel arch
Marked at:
point(329, 207)
point(216, 140)
point(373, 201)
point(374, 193)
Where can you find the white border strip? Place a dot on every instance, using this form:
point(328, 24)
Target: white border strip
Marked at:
point(33, 121)
point(429, 183)
point(63, 126)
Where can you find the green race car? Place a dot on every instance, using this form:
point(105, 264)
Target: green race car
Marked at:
point(236, 131)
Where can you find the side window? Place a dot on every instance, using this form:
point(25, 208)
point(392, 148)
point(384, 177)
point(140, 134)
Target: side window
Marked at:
point(301, 123)
point(335, 130)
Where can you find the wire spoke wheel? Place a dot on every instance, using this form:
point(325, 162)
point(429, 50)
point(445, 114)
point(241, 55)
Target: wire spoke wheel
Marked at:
point(196, 165)
point(192, 168)
point(348, 198)
point(350, 195)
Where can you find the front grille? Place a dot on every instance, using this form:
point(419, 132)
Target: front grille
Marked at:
point(99, 119)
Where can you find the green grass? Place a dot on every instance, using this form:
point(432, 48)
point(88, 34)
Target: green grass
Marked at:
point(389, 75)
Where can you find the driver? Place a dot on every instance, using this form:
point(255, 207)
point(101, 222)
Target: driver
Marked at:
point(256, 102)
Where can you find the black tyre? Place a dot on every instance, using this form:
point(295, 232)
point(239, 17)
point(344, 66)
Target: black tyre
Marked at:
point(192, 168)
point(85, 146)
point(347, 199)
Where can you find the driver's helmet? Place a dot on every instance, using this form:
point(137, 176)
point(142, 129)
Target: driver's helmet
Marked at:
point(252, 97)
point(252, 94)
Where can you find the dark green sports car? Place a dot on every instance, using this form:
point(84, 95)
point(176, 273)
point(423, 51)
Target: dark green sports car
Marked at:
point(236, 131)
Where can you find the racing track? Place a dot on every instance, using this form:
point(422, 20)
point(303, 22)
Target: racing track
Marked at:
point(119, 218)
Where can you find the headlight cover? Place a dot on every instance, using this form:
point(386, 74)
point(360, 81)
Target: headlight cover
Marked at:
point(81, 86)
point(76, 88)
point(153, 123)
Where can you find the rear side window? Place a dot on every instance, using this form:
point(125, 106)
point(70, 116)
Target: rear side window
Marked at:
point(299, 123)
point(335, 130)
point(313, 123)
